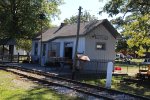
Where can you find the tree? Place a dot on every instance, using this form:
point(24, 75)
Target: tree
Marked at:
point(122, 46)
point(139, 34)
point(24, 44)
point(86, 16)
point(20, 18)
point(133, 20)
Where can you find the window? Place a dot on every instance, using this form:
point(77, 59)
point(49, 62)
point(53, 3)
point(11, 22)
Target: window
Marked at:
point(44, 49)
point(100, 46)
point(36, 49)
point(54, 49)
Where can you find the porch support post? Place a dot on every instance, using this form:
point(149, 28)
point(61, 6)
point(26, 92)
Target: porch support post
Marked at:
point(3, 53)
point(11, 51)
point(18, 57)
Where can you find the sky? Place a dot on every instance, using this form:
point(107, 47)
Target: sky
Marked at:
point(70, 8)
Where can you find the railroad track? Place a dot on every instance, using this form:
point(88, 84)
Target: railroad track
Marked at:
point(51, 79)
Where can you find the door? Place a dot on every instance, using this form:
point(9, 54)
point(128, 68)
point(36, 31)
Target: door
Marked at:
point(68, 52)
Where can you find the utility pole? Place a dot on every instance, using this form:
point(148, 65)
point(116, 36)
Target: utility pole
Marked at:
point(41, 44)
point(42, 17)
point(76, 47)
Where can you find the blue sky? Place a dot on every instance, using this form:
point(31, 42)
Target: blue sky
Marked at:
point(71, 8)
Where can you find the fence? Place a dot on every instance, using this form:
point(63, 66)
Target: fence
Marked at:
point(132, 67)
point(14, 58)
point(93, 66)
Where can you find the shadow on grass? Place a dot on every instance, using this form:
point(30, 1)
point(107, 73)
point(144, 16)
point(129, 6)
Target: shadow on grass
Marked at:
point(133, 88)
point(88, 77)
point(40, 93)
point(141, 89)
point(94, 79)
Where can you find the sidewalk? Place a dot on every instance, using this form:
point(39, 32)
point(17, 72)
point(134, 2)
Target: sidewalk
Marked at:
point(57, 71)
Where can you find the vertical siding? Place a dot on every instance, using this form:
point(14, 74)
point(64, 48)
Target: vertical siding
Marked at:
point(46, 52)
point(61, 49)
point(32, 49)
point(101, 56)
point(81, 44)
point(87, 45)
point(35, 57)
point(90, 45)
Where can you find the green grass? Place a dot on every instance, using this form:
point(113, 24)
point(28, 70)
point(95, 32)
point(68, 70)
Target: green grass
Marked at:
point(131, 70)
point(137, 60)
point(138, 89)
point(133, 88)
point(132, 60)
point(13, 87)
point(117, 84)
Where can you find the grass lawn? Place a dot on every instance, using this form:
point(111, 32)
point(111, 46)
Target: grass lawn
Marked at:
point(137, 60)
point(117, 84)
point(138, 89)
point(12, 87)
point(131, 70)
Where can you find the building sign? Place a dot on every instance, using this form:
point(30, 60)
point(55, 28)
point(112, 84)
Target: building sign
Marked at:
point(68, 44)
point(101, 37)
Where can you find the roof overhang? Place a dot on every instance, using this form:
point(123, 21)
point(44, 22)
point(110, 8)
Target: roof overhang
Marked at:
point(7, 41)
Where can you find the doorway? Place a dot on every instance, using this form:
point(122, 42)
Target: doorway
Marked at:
point(68, 50)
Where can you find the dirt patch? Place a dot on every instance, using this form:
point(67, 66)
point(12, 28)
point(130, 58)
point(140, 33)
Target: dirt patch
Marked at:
point(23, 83)
point(20, 82)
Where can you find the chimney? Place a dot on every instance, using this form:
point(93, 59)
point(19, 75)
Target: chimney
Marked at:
point(62, 25)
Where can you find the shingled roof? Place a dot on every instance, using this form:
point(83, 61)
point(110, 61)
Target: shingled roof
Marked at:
point(71, 29)
point(7, 41)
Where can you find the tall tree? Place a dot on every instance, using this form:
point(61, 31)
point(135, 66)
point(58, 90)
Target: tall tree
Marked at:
point(122, 46)
point(139, 34)
point(133, 20)
point(86, 16)
point(24, 45)
point(20, 18)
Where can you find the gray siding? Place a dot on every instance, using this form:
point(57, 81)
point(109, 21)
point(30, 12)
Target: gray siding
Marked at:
point(99, 58)
point(90, 45)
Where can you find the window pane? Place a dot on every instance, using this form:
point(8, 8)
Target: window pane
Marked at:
point(100, 46)
point(54, 49)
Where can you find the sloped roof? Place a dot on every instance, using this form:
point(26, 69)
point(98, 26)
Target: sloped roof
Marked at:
point(7, 41)
point(71, 30)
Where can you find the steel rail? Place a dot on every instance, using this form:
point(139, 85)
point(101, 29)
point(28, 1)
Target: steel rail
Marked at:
point(76, 82)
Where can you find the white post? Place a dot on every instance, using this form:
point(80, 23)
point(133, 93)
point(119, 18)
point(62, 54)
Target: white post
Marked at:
point(109, 74)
